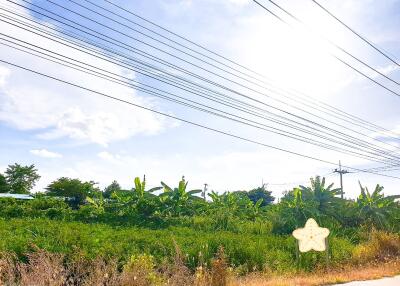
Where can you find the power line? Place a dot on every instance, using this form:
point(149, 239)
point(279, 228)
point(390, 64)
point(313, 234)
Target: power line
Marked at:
point(243, 94)
point(205, 49)
point(340, 48)
point(341, 172)
point(335, 45)
point(114, 29)
point(179, 36)
point(300, 182)
point(370, 43)
point(270, 129)
point(327, 106)
point(158, 34)
point(370, 124)
point(385, 168)
point(181, 119)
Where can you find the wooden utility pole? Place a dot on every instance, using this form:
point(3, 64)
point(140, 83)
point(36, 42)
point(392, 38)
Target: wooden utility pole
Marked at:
point(204, 191)
point(341, 173)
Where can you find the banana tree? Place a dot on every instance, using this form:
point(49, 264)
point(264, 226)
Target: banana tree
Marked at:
point(254, 209)
point(140, 189)
point(138, 201)
point(325, 197)
point(177, 200)
point(376, 209)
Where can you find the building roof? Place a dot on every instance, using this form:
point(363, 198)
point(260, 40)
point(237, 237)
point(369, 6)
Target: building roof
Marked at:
point(16, 196)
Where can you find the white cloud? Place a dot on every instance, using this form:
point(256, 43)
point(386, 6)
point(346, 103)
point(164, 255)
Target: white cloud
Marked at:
point(388, 69)
point(54, 110)
point(45, 153)
point(4, 73)
point(108, 156)
point(229, 171)
point(240, 2)
point(392, 134)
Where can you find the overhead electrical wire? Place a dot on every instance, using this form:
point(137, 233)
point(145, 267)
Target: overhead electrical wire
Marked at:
point(164, 37)
point(303, 182)
point(230, 90)
point(336, 45)
point(345, 127)
point(230, 117)
point(339, 48)
point(314, 101)
point(11, 1)
point(107, 77)
point(363, 38)
point(127, 26)
point(196, 66)
point(179, 36)
point(181, 119)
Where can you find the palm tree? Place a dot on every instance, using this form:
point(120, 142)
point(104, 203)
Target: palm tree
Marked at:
point(375, 208)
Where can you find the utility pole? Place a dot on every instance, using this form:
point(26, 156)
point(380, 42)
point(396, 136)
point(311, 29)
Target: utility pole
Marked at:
point(341, 173)
point(204, 191)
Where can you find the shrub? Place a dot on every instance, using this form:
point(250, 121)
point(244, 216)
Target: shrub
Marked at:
point(379, 247)
point(219, 269)
point(140, 271)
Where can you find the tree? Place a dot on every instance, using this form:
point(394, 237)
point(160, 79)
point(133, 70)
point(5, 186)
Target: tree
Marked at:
point(177, 200)
point(325, 197)
point(21, 179)
point(4, 187)
point(73, 190)
point(113, 187)
point(140, 188)
point(261, 193)
point(376, 209)
point(317, 201)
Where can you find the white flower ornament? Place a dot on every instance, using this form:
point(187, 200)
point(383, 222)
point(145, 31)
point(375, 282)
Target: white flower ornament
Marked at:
point(311, 236)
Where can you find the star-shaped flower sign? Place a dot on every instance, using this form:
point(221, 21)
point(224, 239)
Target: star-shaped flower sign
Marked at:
point(311, 236)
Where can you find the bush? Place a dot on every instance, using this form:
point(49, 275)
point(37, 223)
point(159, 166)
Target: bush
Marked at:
point(141, 270)
point(380, 246)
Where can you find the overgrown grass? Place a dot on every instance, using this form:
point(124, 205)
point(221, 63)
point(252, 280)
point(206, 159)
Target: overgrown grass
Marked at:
point(248, 252)
point(56, 251)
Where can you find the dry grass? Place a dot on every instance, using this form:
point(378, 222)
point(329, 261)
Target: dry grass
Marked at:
point(176, 272)
point(47, 269)
point(379, 256)
point(346, 274)
point(380, 246)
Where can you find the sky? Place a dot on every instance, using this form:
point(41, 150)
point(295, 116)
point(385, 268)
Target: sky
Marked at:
point(67, 131)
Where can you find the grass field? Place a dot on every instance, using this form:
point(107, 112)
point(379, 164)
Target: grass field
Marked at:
point(249, 259)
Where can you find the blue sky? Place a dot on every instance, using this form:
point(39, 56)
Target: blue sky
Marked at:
point(67, 132)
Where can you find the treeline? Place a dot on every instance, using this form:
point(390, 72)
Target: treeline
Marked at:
point(242, 211)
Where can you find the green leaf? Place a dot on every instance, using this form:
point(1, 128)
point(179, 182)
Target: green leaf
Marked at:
point(166, 187)
point(192, 192)
point(154, 189)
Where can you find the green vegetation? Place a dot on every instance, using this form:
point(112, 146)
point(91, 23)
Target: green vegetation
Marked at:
point(76, 218)
point(73, 190)
point(19, 179)
point(4, 187)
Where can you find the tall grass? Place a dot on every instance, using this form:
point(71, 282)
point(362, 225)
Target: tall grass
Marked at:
point(246, 251)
